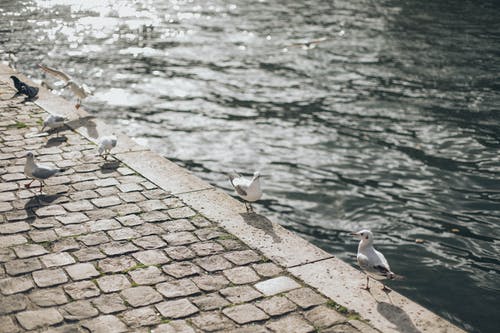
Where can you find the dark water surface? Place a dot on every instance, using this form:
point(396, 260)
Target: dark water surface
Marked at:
point(390, 123)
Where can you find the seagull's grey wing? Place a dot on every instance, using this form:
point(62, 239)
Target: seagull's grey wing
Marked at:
point(54, 72)
point(363, 261)
point(239, 189)
point(382, 270)
point(44, 172)
point(58, 118)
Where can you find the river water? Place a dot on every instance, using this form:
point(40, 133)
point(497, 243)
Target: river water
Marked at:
point(389, 122)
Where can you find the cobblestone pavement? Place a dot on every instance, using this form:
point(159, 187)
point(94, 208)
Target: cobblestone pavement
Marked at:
point(105, 250)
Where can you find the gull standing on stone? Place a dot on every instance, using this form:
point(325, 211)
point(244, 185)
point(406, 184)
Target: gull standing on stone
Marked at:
point(54, 121)
point(372, 262)
point(38, 171)
point(80, 90)
point(247, 189)
point(106, 143)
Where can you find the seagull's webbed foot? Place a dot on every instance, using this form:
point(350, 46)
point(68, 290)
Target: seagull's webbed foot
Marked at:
point(28, 184)
point(386, 290)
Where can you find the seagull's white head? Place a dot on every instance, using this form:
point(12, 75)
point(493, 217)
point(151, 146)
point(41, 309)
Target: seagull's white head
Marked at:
point(256, 175)
point(30, 155)
point(364, 234)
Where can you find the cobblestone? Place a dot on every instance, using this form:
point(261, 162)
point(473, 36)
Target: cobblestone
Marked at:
point(107, 250)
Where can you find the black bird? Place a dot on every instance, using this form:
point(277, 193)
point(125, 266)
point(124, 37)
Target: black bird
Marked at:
point(24, 89)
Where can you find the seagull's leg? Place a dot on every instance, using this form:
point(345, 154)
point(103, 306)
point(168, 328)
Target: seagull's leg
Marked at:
point(29, 184)
point(246, 206)
point(251, 207)
point(367, 282)
point(78, 103)
point(41, 186)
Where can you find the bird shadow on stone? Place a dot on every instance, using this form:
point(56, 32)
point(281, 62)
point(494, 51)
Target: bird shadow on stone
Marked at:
point(397, 316)
point(261, 222)
point(86, 122)
point(110, 166)
point(54, 142)
point(38, 201)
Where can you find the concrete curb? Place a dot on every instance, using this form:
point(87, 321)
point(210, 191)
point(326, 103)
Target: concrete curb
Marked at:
point(315, 267)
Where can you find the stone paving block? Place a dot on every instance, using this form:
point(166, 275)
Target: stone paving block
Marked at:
point(103, 225)
point(241, 275)
point(116, 248)
point(105, 324)
point(250, 328)
point(206, 234)
point(141, 296)
point(176, 309)
point(57, 259)
point(151, 257)
point(12, 303)
point(145, 316)
point(180, 252)
point(11, 240)
point(72, 218)
point(276, 285)
point(9, 286)
point(276, 305)
point(65, 329)
point(71, 230)
point(147, 276)
point(180, 238)
point(210, 282)
point(291, 324)
point(88, 254)
point(177, 288)
point(81, 290)
point(40, 236)
point(241, 258)
point(126, 209)
point(178, 225)
point(38, 318)
point(109, 303)
point(106, 201)
point(78, 206)
point(147, 229)
point(21, 266)
point(115, 265)
point(13, 228)
point(81, 271)
point(323, 317)
point(182, 212)
point(342, 328)
point(66, 244)
point(240, 294)
point(175, 326)
point(130, 220)
point(154, 216)
point(29, 250)
point(111, 283)
point(212, 321)
point(48, 297)
point(149, 242)
point(131, 197)
point(8, 325)
point(181, 269)
point(100, 214)
point(213, 263)
point(267, 269)
point(78, 310)
point(305, 297)
point(129, 187)
point(94, 238)
point(123, 233)
point(83, 195)
point(150, 205)
point(245, 313)
point(200, 221)
point(49, 277)
point(206, 248)
point(210, 302)
point(6, 255)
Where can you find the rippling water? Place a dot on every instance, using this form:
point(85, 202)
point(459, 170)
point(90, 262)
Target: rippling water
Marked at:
point(391, 122)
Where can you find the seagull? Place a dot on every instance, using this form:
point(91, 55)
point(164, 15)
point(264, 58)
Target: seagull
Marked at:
point(247, 189)
point(24, 89)
point(372, 262)
point(106, 143)
point(80, 90)
point(54, 121)
point(38, 171)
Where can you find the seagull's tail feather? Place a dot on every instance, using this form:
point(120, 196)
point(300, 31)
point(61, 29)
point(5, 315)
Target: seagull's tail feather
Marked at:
point(393, 276)
point(62, 170)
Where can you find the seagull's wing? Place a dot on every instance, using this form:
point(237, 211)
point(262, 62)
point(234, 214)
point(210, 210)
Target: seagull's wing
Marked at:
point(58, 118)
point(43, 172)
point(363, 261)
point(54, 72)
point(239, 189)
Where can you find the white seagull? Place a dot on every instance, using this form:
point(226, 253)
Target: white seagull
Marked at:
point(80, 90)
point(54, 121)
point(372, 262)
point(38, 171)
point(106, 143)
point(247, 189)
